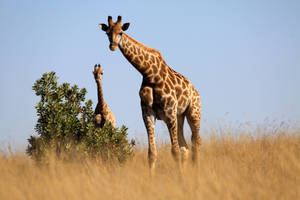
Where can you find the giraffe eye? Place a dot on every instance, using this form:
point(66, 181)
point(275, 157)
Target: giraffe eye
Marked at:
point(121, 33)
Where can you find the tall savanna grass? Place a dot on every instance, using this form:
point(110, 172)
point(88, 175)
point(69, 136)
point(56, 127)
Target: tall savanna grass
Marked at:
point(232, 166)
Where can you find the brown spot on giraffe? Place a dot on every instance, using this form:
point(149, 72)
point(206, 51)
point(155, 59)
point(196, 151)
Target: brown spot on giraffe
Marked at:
point(183, 85)
point(136, 61)
point(186, 93)
point(155, 70)
point(141, 58)
point(173, 93)
point(156, 78)
point(152, 60)
point(102, 112)
point(167, 89)
point(178, 92)
point(163, 72)
point(166, 95)
point(173, 80)
point(157, 59)
point(146, 56)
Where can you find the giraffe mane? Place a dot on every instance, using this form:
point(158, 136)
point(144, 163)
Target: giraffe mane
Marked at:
point(148, 49)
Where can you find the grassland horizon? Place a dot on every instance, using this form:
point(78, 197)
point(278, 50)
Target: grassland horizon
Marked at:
point(232, 166)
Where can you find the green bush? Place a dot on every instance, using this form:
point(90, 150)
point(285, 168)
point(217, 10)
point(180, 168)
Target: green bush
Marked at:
point(65, 126)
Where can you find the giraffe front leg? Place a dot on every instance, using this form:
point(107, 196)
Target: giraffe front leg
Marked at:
point(149, 120)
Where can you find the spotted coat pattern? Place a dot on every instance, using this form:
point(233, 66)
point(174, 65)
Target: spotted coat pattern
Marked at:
point(102, 112)
point(165, 94)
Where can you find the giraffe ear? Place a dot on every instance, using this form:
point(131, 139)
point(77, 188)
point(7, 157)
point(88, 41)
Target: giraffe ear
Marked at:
point(104, 27)
point(125, 26)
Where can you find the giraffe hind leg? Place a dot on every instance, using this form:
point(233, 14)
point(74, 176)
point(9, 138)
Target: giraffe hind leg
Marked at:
point(171, 122)
point(182, 143)
point(193, 117)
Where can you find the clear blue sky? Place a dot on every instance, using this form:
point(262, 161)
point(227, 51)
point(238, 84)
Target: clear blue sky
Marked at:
point(242, 56)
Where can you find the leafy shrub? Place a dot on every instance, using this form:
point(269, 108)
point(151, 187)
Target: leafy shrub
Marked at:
point(66, 127)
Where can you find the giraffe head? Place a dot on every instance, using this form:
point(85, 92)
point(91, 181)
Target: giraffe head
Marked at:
point(114, 31)
point(98, 72)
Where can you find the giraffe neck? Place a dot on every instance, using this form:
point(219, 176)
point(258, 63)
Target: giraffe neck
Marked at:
point(141, 57)
point(101, 101)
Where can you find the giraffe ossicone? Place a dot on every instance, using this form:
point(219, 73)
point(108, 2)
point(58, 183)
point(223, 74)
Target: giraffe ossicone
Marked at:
point(165, 94)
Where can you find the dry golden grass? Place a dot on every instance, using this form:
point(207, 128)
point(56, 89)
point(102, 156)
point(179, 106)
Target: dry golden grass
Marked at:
point(231, 168)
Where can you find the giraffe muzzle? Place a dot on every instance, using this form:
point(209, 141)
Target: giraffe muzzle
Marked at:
point(113, 46)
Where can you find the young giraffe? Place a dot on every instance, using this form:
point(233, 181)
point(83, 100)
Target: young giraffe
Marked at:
point(102, 112)
point(165, 94)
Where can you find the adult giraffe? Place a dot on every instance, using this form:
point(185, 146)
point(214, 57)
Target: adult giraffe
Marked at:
point(165, 94)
